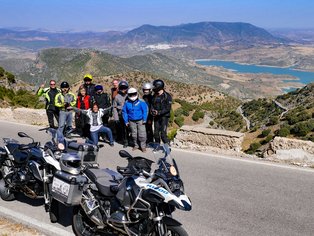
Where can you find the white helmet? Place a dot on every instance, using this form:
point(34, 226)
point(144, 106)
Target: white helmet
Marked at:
point(132, 94)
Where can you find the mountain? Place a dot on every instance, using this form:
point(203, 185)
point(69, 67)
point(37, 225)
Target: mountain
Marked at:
point(203, 33)
point(196, 34)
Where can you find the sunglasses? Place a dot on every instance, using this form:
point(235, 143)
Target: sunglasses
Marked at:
point(52, 84)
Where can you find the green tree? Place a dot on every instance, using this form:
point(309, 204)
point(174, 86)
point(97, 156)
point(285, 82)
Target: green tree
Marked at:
point(2, 71)
point(11, 77)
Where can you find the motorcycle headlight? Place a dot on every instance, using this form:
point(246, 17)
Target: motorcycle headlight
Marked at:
point(61, 146)
point(173, 171)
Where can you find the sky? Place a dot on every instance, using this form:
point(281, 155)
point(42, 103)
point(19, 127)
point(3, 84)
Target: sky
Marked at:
point(104, 15)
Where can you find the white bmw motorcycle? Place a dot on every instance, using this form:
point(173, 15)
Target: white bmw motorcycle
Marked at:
point(138, 201)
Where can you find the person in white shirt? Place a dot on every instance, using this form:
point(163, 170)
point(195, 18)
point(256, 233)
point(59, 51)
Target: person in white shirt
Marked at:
point(96, 125)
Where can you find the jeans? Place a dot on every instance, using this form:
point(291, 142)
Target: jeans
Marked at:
point(103, 129)
point(65, 118)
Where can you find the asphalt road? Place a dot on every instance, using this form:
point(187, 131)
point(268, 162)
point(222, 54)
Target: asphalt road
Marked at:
point(230, 196)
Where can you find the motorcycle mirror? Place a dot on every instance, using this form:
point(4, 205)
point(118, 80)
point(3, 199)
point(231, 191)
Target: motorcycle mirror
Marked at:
point(125, 154)
point(22, 135)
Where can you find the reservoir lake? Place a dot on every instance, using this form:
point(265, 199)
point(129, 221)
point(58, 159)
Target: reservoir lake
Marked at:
point(303, 76)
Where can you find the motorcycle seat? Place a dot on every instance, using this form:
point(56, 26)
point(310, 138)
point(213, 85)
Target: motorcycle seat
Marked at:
point(105, 182)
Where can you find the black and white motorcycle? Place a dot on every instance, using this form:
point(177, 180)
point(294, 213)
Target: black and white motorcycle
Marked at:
point(25, 168)
point(138, 201)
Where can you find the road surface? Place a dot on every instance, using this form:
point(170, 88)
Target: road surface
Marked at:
point(230, 196)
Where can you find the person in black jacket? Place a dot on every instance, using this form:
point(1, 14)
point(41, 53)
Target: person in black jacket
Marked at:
point(88, 85)
point(160, 110)
point(103, 101)
point(50, 94)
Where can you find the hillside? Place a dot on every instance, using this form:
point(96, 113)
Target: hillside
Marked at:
point(71, 64)
point(294, 117)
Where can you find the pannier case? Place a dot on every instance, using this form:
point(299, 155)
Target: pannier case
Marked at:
point(68, 188)
point(87, 152)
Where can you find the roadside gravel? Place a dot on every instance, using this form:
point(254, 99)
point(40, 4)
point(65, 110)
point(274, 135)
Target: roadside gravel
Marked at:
point(11, 228)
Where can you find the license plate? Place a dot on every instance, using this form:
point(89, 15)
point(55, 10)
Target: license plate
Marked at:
point(60, 187)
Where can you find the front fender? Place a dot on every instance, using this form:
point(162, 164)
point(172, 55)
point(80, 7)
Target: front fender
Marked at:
point(170, 221)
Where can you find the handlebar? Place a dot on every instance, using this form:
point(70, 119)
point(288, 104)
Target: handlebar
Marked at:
point(28, 146)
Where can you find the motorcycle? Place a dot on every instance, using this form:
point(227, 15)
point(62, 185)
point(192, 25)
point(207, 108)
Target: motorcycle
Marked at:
point(25, 168)
point(139, 200)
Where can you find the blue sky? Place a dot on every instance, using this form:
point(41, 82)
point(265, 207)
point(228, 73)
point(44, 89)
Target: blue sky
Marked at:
point(103, 15)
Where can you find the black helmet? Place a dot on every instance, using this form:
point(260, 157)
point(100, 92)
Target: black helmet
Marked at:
point(158, 85)
point(64, 84)
point(123, 85)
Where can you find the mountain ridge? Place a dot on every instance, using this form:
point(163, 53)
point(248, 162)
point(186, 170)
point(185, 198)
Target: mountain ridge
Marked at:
point(201, 33)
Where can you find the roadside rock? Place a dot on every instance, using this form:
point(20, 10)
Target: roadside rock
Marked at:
point(200, 138)
point(24, 115)
point(292, 150)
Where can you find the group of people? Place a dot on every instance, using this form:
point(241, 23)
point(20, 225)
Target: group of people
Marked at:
point(137, 120)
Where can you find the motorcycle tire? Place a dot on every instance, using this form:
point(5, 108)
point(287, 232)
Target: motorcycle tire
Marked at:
point(83, 226)
point(176, 231)
point(5, 193)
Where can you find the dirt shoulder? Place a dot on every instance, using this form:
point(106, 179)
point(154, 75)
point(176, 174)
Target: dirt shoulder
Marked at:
point(12, 228)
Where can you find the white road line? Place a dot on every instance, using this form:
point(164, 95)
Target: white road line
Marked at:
point(33, 223)
point(260, 162)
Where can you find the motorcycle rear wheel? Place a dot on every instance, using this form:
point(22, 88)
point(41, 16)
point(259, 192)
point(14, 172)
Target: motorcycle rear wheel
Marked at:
point(5, 193)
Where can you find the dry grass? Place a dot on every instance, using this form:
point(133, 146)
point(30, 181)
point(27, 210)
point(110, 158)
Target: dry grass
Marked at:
point(10, 228)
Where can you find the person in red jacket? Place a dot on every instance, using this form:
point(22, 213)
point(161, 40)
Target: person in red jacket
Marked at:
point(81, 121)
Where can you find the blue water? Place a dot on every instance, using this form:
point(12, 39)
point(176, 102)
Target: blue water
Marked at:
point(303, 76)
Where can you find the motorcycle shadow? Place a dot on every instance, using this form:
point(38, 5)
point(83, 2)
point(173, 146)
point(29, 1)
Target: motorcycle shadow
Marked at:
point(65, 213)
point(29, 201)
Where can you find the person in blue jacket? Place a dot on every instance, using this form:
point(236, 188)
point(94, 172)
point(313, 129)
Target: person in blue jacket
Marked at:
point(134, 113)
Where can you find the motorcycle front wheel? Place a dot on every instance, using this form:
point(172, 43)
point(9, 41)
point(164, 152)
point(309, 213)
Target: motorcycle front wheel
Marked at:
point(176, 231)
point(83, 226)
point(5, 193)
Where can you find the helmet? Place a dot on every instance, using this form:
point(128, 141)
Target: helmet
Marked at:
point(147, 88)
point(158, 85)
point(132, 94)
point(123, 85)
point(64, 84)
point(71, 163)
point(98, 87)
point(88, 77)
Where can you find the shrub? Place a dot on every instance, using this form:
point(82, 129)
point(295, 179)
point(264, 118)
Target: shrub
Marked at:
point(198, 114)
point(1, 71)
point(283, 132)
point(179, 121)
point(265, 133)
point(273, 120)
point(171, 119)
point(253, 148)
point(172, 134)
point(301, 129)
point(11, 77)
